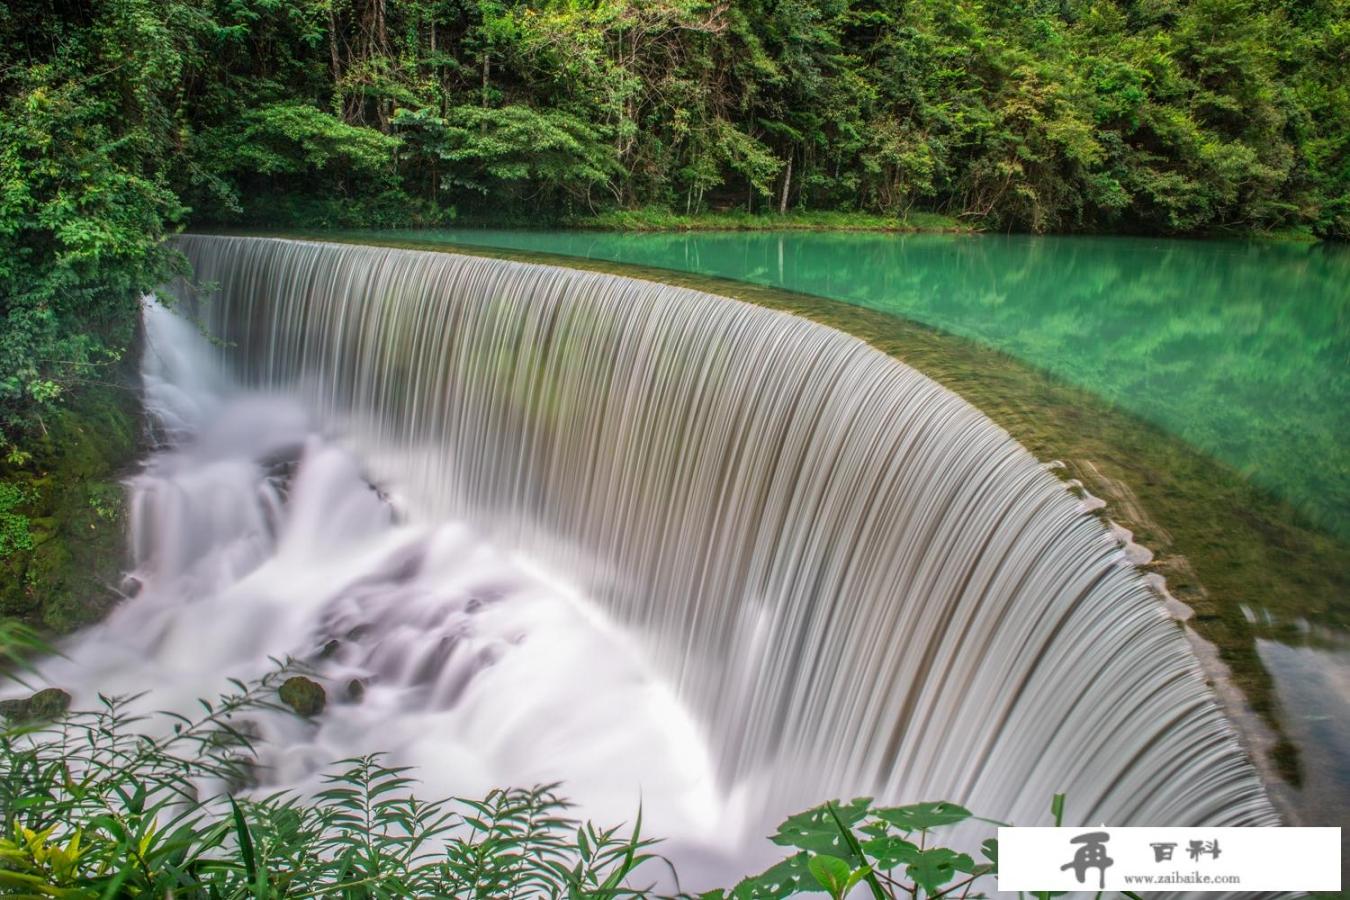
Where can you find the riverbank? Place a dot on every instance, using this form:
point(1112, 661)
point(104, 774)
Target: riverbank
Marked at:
point(62, 509)
point(657, 219)
point(1246, 565)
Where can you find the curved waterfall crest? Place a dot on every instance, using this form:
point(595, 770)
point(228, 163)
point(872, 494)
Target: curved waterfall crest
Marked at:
point(854, 579)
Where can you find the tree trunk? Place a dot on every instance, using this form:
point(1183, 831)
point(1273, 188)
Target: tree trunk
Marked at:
point(332, 49)
point(787, 184)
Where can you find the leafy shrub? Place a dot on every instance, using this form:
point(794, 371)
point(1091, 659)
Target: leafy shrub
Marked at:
point(888, 849)
point(93, 807)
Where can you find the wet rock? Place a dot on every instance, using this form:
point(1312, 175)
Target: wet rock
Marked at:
point(356, 691)
point(44, 706)
point(304, 695)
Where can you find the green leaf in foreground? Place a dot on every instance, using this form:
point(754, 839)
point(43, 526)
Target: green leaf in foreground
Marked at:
point(923, 816)
point(890, 851)
point(785, 879)
point(930, 869)
point(831, 873)
point(818, 830)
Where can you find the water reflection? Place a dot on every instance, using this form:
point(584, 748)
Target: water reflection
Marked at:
point(1239, 349)
point(1313, 684)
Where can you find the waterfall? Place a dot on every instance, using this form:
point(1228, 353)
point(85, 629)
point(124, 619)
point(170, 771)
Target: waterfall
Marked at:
point(850, 578)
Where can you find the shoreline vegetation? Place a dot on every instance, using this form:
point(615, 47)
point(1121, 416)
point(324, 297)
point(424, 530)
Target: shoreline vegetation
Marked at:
point(1220, 543)
point(656, 219)
point(95, 807)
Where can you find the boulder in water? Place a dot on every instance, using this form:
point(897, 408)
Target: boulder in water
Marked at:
point(304, 695)
point(44, 706)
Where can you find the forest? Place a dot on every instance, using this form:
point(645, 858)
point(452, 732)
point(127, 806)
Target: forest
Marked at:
point(124, 120)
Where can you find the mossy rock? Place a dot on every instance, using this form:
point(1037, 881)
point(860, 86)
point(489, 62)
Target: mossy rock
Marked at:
point(74, 505)
point(44, 706)
point(15, 600)
point(304, 695)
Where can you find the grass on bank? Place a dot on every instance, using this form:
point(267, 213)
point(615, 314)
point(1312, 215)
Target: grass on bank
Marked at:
point(660, 219)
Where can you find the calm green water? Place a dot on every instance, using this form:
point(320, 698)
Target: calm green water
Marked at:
point(1243, 350)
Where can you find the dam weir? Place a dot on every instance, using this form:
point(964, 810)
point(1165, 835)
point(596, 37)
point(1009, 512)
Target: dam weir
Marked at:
point(853, 581)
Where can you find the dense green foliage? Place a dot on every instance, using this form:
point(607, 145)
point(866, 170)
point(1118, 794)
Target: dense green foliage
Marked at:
point(123, 119)
point(1163, 115)
point(87, 120)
